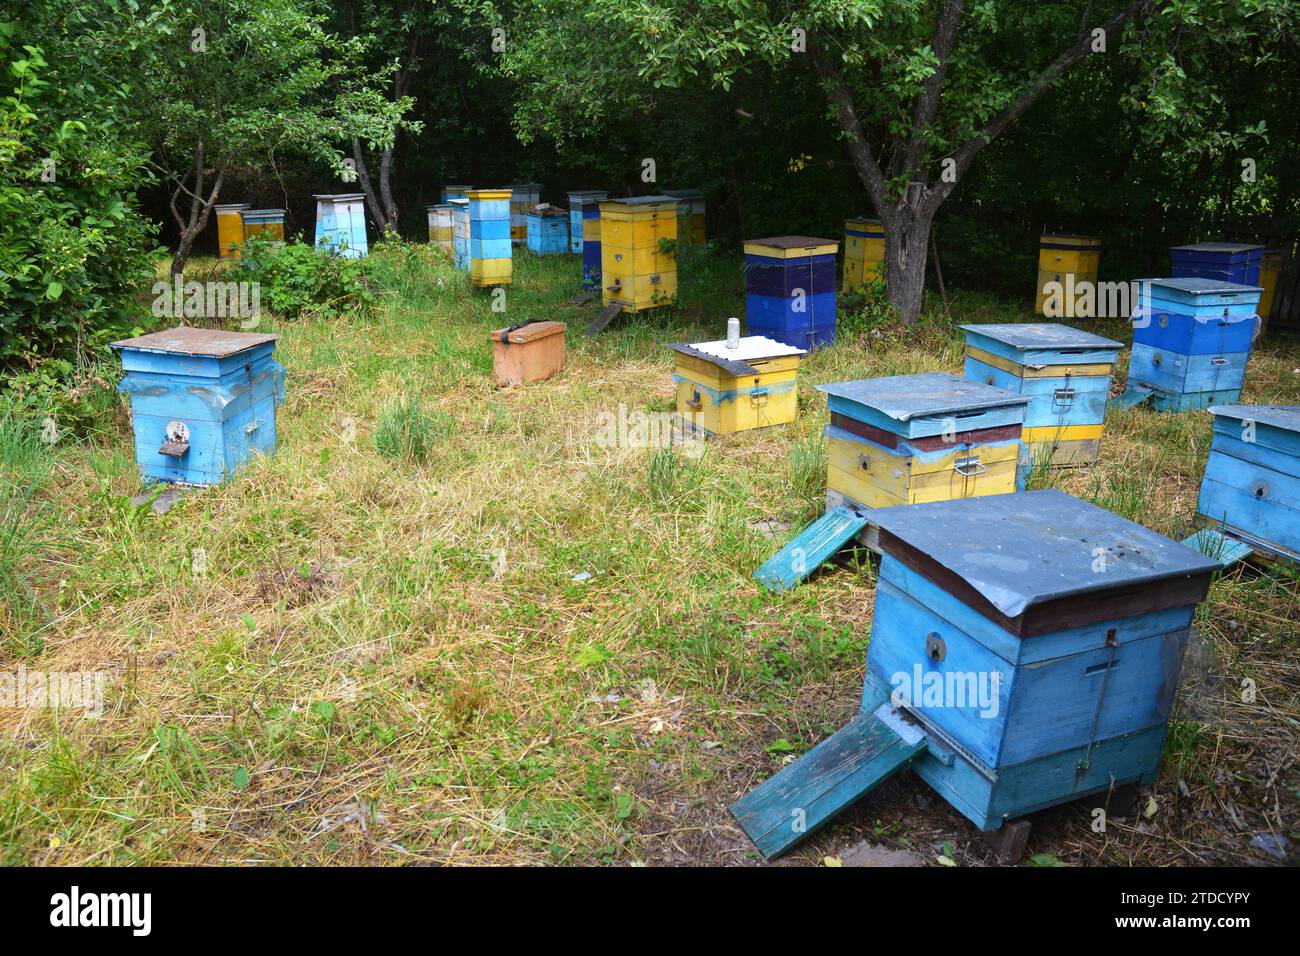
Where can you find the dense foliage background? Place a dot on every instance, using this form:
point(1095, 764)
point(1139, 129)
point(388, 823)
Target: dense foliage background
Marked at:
point(1142, 144)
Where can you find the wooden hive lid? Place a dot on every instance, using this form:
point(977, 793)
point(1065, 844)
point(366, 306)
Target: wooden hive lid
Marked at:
point(752, 348)
point(1068, 240)
point(904, 397)
point(1285, 417)
point(791, 247)
point(187, 340)
point(529, 332)
point(1036, 562)
point(1195, 285)
point(1229, 247)
point(1042, 335)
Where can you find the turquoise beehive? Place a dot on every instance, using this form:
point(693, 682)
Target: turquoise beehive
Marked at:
point(1251, 488)
point(341, 224)
point(203, 401)
point(1025, 651)
point(460, 233)
point(548, 231)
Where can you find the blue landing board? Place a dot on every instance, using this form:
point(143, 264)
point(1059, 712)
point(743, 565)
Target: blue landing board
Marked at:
point(810, 549)
point(806, 794)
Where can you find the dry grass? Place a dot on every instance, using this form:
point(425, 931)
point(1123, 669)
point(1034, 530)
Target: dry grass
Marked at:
point(391, 660)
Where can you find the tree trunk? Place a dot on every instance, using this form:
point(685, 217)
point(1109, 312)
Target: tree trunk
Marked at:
point(907, 239)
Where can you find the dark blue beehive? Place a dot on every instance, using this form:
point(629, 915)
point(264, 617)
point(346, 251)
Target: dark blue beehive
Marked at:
point(790, 289)
point(1192, 340)
point(203, 401)
point(1224, 261)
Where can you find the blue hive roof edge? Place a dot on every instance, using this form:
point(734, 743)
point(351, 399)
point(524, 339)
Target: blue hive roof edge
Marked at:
point(1026, 549)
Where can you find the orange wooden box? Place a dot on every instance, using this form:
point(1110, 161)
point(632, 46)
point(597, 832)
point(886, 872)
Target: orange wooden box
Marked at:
point(529, 353)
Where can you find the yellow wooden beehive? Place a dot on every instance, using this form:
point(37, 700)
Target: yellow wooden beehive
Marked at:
point(637, 272)
point(1061, 255)
point(864, 252)
point(1270, 269)
point(230, 229)
point(737, 383)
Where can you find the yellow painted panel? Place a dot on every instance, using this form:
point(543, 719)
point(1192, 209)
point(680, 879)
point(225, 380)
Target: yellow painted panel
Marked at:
point(852, 275)
point(1026, 371)
point(864, 472)
point(274, 230)
point(771, 371)
point(1052, 433)
point(645, 261)
point(638, 234)
point(491, 271)
point(591, 229)
point(1068, 260)
point(230, 234)
point(1270, 268)
point(741, 413)
point(798, 252)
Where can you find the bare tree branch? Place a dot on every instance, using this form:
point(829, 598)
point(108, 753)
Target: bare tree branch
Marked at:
point(1032, 93)
point(837, 93)
point(927, 102)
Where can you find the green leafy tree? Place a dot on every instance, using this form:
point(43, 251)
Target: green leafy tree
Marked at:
point(238, 83)
point(73, 246)
point(916, 89)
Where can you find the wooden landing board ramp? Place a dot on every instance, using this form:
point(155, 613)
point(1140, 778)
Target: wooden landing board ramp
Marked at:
point(810, 549)
point(1215, 544)
point(606, 316)
point(806, 794)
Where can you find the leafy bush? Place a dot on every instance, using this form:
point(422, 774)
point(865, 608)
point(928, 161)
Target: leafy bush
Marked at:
point(297, 279)
point(73, 248)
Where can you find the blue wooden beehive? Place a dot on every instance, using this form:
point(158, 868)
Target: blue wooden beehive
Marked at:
point(341, 224)
point(1251, 489)
point(790, 289)
point(577, 199)
point(1237, 262)
point(591, 244)
point(1025, 651)
point(548, 231)
point(1191, 341)
point(203, 401)
point(1064, 372)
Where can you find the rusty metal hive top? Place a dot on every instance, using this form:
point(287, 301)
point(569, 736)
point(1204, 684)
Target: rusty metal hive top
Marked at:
point(187, 340)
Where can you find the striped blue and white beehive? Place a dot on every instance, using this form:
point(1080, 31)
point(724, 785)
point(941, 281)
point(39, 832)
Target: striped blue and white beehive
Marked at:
point(341, 224)
point(1251, 488)
point(790, 289)
point(490, 252)
point(578, 199)
point(1025, 651)
point(1191, 341)
point(1065, 374)
point(203, 401)
point(1237, 262)
point(460, 233)
point(548, 231)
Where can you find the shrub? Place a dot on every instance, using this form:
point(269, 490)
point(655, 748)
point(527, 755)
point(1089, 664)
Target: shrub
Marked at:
point(297, 279)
